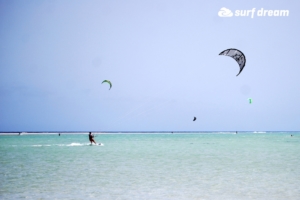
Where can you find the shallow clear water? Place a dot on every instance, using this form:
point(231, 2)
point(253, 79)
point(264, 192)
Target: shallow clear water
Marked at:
point(151, 166)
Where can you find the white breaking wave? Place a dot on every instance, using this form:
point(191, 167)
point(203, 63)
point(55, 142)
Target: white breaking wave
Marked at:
point(74, 144)
point(259, 132)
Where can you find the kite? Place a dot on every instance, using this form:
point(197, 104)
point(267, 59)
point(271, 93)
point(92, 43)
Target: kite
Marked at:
point(194, 119)
point(237, 55)
point(250, 101)
point(107, 81)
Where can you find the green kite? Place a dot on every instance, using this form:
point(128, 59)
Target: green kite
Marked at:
point(250, 101)
point(107, 81)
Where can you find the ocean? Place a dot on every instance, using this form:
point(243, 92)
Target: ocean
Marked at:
point(206, 165)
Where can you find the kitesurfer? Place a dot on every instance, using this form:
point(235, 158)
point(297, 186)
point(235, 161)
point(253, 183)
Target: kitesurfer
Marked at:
point(91, 138)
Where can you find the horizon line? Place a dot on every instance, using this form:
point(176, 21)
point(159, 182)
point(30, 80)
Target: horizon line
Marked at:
point(137, 131)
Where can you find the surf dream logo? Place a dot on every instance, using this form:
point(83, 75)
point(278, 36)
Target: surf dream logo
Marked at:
point(225, 12)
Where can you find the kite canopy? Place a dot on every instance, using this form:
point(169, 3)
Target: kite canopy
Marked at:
point(107, 81)
point(250, 101)
point(237, 55)
point(194, 118)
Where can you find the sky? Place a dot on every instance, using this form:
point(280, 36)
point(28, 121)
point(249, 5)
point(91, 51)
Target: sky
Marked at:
point(162, 58)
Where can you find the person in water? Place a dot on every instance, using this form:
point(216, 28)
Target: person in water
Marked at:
point(91, 138)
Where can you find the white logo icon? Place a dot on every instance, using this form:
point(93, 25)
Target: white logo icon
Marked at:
point(224, 12)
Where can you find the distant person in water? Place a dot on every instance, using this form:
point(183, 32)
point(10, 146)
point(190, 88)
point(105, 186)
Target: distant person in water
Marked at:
point(91, 138)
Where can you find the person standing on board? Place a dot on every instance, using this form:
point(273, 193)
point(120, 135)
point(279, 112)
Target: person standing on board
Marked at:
point(91, 138)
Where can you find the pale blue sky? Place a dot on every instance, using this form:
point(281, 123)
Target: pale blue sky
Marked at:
point(162, 59)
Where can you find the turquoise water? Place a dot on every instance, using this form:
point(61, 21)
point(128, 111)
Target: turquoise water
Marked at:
point(151, 166)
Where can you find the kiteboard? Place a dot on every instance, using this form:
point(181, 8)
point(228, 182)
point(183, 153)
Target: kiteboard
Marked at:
point(98, 144)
